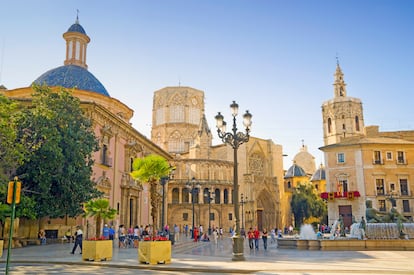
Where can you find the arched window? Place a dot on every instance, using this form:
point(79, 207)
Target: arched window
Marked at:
point(329, 125)
point(357, 123)
point(217, 196)
point(205, 196)
point(195, 195)
point(226, 196)
point(186, 195)
point(175, 196)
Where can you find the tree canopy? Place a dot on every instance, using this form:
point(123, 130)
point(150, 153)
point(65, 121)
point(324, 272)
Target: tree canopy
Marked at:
point(101, 211)
point(306, 204)
point(58, 167)
point(151, 169)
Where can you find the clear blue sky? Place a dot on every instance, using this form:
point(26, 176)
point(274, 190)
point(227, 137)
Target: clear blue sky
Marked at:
point(275, 58)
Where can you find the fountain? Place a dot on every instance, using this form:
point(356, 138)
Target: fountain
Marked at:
point(307, 232)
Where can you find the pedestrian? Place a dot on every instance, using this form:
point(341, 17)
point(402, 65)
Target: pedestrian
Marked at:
point(273, 235)
point(186, 230)
point(250, 236)
point(105, 232)
point(78, 240)
point(121, 236)
point(264, 238)
point(111, 233)
point(362, 228)
point(215, 236)
point(256, 233)
point(176, 233)
point(42, 236)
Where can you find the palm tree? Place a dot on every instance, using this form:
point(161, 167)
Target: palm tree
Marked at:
point(151, 169)
point(101, 211)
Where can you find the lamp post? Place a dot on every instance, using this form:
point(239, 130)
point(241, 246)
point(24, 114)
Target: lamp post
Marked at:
point(210, 196)
point(193, 186)
point(235, 139)
point(163, 182)
point(243, 200)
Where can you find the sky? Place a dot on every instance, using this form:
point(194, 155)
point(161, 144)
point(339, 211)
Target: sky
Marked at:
point(276, 58)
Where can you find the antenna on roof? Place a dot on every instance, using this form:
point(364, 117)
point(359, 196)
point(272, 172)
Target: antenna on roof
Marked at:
point(77, 16)
point(303, 143)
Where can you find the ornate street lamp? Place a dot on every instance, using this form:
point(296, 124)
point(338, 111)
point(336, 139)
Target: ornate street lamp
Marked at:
point(163, 181)
point(210, 196)
point(243, 200)
point(235, 139)
point(194, 187)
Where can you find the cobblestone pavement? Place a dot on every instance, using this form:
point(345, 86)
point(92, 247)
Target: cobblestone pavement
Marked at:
point(206, 257)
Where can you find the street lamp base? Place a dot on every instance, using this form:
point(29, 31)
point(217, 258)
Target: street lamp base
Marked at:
point(238, 243)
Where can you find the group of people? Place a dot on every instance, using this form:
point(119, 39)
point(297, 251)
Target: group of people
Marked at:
point(254, 235)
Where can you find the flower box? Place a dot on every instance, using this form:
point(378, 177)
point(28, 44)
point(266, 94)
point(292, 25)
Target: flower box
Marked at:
point(154, 252)
point(99, 250)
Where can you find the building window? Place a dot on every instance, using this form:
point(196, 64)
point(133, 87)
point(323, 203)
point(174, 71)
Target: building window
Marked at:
point(230, 216)
point(382, 206)
point(206, 195)
point(380, 186)
point(406, 206)
point(226, 196)
point(377, 157)
point(341, 158)
point(159, 116)
point(217, 196)
point(404, 187)
point(212, 218)
point(388, 155)
point(329, 125)
point(194, 116)
point(392, 187)
point(175, 196)
point(186, 195)
point(400, 157)
point(343, 186)
point(185, 216)
point(357, 123)
point(176, 114)
point(195, 195)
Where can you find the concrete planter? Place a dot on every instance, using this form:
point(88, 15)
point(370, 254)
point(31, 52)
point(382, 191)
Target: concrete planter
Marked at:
point(97, 250)
point(154, 252)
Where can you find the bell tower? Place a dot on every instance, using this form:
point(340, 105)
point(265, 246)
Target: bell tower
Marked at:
point(342, 116)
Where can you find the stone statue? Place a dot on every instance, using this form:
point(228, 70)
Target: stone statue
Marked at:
point(394, 216)
point(341, 226)
point(372, 214)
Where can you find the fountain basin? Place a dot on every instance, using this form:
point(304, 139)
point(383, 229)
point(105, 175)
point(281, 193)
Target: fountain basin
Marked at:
point(346, 244)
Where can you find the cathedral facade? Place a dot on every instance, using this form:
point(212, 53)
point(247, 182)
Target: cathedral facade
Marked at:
point(201, 189)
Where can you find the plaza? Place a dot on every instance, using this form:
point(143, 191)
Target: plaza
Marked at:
point(189, 257)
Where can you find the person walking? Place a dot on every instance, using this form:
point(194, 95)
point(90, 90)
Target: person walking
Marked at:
point(256, 234)
point(250, 236)
point(105, 232)
point(78, 240)
point(264, 238)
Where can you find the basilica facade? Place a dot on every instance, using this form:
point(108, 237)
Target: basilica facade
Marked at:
point(119, 142)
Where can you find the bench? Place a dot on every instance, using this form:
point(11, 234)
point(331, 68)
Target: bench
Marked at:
point(26, 242)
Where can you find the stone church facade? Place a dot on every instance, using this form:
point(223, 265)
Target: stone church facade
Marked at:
point(180, 127)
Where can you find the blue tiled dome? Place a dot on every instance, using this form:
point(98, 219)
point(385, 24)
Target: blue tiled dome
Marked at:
point(320, 174)
point(295, 171)
point(72, 76)
point(76, 28)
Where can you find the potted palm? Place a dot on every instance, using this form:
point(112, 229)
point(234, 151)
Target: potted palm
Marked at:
point(98, 248)
point(151, 169)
